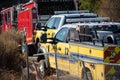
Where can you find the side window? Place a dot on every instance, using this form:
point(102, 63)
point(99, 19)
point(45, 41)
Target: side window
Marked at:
point(8, 17)
point(62, 34)
point(57, 21)
point(74, 35)
point(15, 16)
point(112, 28)
point(5, 17)
point(50, 23)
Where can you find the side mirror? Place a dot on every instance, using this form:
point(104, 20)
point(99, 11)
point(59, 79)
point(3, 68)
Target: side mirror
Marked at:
point(43, 38)
point(38, 26)
point(44, 28)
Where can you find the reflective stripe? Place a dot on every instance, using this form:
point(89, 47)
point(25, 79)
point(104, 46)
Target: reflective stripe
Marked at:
point(28, 39)
point(112, 55)
point(86, 57)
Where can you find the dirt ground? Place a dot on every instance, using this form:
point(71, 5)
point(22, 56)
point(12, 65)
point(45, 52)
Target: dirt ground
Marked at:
point(62, 75)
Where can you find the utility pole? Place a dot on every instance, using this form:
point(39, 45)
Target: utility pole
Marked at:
point(55, 48)
point(26, 52)
point(78, 3)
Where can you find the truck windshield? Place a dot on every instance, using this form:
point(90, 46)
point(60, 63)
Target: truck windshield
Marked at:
point(53, 23)
point(47, 7)
point(113, 28)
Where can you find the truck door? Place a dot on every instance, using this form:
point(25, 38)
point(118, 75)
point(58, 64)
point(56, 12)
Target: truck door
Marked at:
point(52, 25)
point(73, 51)
point(62, 44)
point(62, 49)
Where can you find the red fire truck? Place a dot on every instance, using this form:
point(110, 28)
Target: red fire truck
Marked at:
point(26, 16)
point(21, 16)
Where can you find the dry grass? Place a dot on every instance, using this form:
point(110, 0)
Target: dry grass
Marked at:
point(11, 59)
point(110, 8)
point(10, 75)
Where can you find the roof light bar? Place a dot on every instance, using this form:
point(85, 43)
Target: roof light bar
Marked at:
point(99, 19)
point(71, 12)
point(88, 14)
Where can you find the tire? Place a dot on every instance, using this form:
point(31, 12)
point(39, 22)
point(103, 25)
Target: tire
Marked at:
point(42, 68)
point(41, 57)
point(86, 75)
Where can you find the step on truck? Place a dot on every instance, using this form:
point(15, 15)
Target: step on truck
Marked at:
point(80, 53)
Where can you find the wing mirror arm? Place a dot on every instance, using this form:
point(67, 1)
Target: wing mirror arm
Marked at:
point(44, 28)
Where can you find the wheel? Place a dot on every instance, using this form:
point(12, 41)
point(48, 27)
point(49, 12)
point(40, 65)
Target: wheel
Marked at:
point(40, 57)
point(42, 68)
point(86, 75)
point(110, 40)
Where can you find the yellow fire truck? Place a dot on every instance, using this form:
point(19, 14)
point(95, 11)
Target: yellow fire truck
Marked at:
point(80, 53)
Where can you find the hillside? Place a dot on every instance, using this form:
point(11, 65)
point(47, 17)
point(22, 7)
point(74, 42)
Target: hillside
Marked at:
point(110, 8)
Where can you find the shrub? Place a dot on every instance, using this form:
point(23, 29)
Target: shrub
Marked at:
point(91, 5)
point(11, 58)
